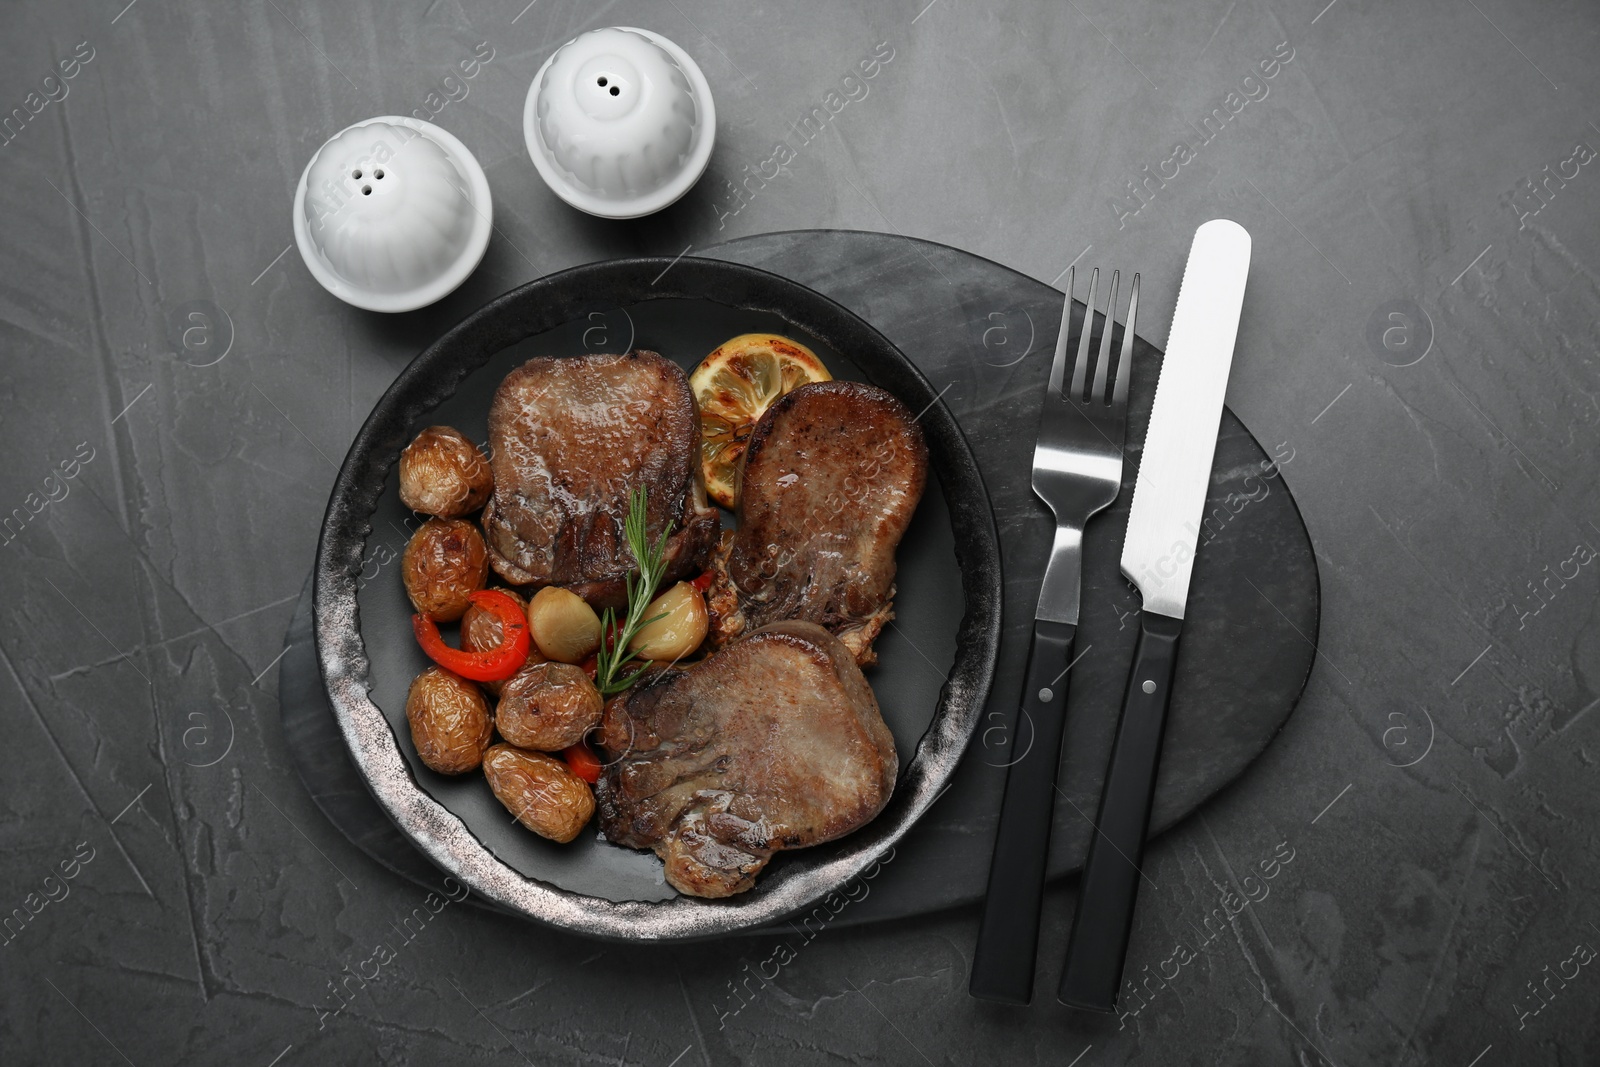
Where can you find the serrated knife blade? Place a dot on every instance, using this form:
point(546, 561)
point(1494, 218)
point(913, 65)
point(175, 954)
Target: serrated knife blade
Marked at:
point(1175, 467)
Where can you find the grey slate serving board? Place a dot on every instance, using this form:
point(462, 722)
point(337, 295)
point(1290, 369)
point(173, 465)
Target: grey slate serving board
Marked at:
point(984, 334)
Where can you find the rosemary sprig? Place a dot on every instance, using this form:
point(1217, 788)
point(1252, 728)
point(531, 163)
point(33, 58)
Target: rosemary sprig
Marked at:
point(614, 653)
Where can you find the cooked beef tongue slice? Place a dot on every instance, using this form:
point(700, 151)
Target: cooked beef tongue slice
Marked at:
point(571, 437)
point(831, 477)
point(773, 742)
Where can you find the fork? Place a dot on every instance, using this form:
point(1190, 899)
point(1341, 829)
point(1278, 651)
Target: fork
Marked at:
point(1077, 471)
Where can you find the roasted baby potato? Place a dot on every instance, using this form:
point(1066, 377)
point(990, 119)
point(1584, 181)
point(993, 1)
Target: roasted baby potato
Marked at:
point(563, 625)
point(480, 632)
point(442, 474)
point(540, 791)
point(444, 564)
point(449, 719)
point(680, 631)
point(548, 707)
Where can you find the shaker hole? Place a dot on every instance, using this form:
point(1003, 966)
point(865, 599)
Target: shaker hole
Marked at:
point(615, 91)
point(378, 173)
point(366, 190)
point(356, 174)
point(601, 81)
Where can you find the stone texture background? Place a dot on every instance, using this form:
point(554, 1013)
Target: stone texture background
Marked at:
point(1436, 789)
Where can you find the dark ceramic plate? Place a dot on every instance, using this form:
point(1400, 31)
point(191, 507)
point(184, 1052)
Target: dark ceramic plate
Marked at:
point(948, 605)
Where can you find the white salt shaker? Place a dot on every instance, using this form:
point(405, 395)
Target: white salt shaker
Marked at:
point(392, 214)
point(620, 122)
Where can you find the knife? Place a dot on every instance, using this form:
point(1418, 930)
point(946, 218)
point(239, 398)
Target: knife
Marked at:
point(1158, 557)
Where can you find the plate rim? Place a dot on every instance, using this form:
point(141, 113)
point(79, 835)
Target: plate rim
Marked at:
point(434, 375)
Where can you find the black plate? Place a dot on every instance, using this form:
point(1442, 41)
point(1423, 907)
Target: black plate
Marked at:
point(948, 604)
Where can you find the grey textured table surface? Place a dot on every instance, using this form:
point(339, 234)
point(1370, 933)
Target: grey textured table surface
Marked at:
point(1421, 187)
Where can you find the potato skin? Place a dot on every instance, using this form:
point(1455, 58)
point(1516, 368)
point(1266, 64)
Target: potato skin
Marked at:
point(480, 632)
point(547, 707)
point(445, 562)
point(442, 474)
point(450, 723)
point(540, 791)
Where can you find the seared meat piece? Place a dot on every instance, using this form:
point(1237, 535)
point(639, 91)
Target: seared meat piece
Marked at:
point(830, 480)
point(774, 742)
point(570, 439)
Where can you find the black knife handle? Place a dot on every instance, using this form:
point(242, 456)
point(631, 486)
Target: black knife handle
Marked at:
point(1008, 938)
point(1099, 940)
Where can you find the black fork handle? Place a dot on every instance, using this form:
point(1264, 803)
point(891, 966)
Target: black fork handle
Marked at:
point(1008, 938)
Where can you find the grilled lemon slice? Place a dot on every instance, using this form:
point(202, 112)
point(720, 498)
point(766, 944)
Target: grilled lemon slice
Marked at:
point(734, 386)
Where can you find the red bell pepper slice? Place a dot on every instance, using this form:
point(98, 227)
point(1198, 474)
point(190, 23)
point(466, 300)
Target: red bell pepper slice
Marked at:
point(582, 762)
point(493, 665)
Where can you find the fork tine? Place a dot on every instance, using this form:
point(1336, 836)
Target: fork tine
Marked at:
point(1059, 363)
point(1119, 391)
point(1080, 366)
point(1103, 363)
